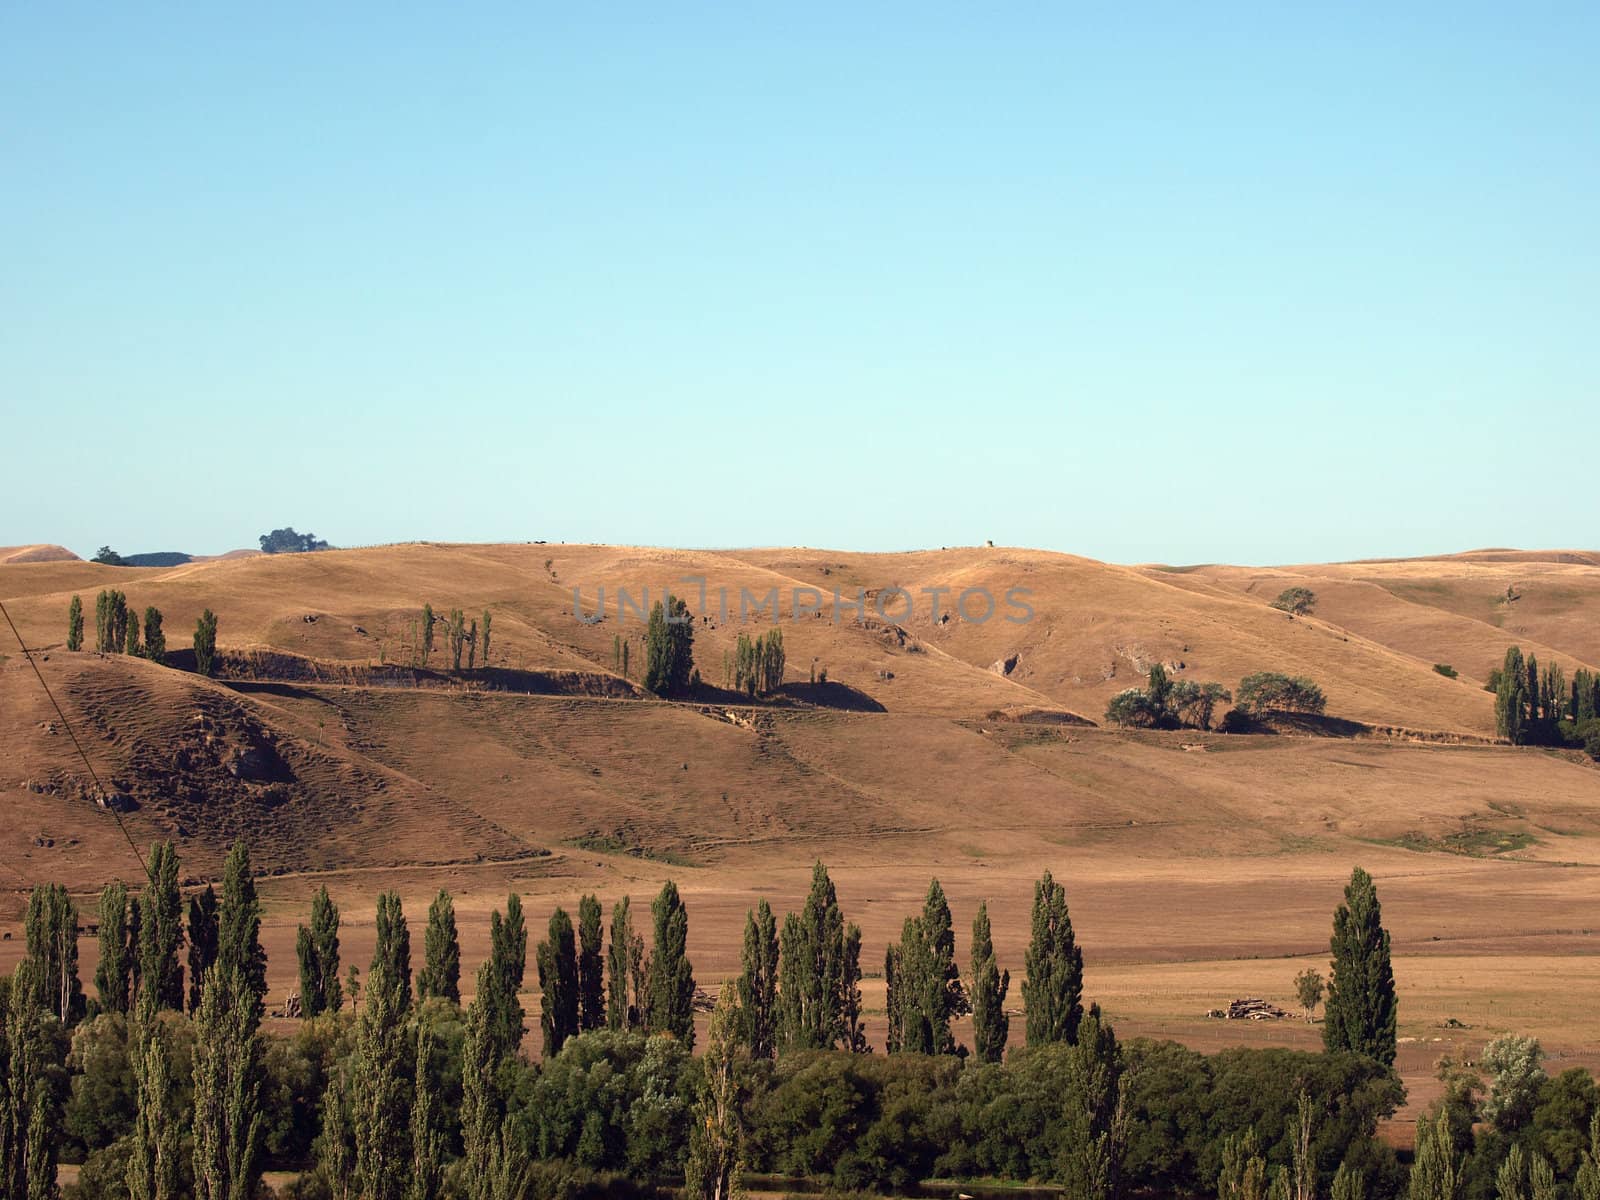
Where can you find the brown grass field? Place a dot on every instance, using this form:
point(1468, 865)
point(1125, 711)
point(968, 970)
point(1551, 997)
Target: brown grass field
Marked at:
point(1200, 867)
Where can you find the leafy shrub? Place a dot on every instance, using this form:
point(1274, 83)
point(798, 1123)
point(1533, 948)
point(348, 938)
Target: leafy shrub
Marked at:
point(1132, 706)
point(1446, 670)
point(1297, 601)
point(1272, 691)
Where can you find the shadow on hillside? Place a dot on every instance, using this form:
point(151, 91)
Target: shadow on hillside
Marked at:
point(1308, 725)
point(832, 695)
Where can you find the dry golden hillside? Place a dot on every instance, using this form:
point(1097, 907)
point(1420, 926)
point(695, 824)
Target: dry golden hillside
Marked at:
point(1200, 865)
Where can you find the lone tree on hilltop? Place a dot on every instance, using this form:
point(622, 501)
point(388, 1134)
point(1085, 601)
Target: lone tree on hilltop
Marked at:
point(1296, 601)
point(1361, 1008)
point(107, 557)
point(287, 541)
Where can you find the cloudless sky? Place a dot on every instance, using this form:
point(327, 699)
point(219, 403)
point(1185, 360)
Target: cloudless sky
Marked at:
point(1179, 282)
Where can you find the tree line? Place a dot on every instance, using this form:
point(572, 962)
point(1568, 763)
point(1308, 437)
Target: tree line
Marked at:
point(117, 630)
point(460, 638)
point(1534, 707)
point(164, 1091)
point(1167, 703)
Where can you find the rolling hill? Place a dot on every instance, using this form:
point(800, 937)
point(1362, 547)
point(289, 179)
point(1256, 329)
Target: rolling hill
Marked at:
point(967, 750)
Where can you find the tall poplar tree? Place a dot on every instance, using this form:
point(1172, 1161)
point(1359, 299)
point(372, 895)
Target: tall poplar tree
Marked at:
point(391, 956)
point(508, 961)
point(852, 1027)
point(153, 1147)
point(670, 1003)
point(205, 642)
point(228, 1121)
point(441, 968)
point(51, 928)
point(155, 638)
point(202, 942)
point(113, 977)
point(758, 982)
point(990, 1024)
point(161, 929)
point(75, 624)
point(317, 947)
point(380, 1100)
point(717, 1132)
point(623, 957)
point(591, 965)
point(811, 966)
point(558, 984)
point(1360, 1011)
point(1052, 991)
point(239, 931)
point(1435, 1171)
point(1511, 700)
point(427, 1122)
point(30, 1065)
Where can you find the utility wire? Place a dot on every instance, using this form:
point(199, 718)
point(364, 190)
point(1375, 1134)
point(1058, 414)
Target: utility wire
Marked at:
point(93, 774)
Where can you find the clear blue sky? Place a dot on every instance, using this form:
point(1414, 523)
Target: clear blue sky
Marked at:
point(1256, 284)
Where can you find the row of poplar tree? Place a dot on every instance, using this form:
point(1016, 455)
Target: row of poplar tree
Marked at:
point(383, 1134)
point(117, 630)
point(460, 638)
point(1539, 707)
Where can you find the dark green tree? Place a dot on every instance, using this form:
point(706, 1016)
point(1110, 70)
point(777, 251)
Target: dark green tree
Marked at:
point(317, 948)
point(202, 942)
point(717, 1128)
point(113, 975)
point(29, 1125)
point(854, 1030)
point(1094, 1123)
point(161, 929)
point(670, 1000)
point(624, 957)
point(427, 1121)
point(228, 1119)
point(894, 1009)
point(75, 624)
point(669, 648)
point(427, 632)
point(484, 634)
point(391, 956)
point(380, 1098)
point(811, 968)
point(155, 638)
point(239, 930)
point(990, 984)
point(508, 962)
point(758, 982)
point(441, 970)
point(154, 1158)
point(558, 984)
point(1052, 991)
point(930, 991)
point(130, 634)
point(51, 927)
point(205, 642)
point(1360, 1011)
point(1511, 701)
point(591, 965)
